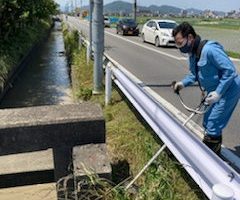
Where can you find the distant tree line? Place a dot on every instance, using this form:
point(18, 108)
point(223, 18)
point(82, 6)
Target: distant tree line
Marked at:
point(19, 14)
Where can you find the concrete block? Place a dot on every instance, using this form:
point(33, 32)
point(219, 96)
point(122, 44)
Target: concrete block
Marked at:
point(26, 168)
point(89, 160)
point(60, 127)
point(32, 192)
point(38, 128)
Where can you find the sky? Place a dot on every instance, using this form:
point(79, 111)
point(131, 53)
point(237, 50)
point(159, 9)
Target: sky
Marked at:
point(219, 5)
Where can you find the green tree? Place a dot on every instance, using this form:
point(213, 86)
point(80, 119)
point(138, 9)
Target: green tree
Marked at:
point(16, 14)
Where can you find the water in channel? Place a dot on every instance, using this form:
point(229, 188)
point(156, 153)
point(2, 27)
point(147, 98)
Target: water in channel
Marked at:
point(45, 80)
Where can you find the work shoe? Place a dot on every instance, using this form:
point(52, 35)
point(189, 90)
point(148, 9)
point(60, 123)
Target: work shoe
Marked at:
point(214, 143)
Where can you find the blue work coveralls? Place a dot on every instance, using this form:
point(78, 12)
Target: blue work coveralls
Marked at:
point(216, 72)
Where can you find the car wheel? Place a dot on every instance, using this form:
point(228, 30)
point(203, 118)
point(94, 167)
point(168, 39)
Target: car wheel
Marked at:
point(143, 37)
point(157, 42)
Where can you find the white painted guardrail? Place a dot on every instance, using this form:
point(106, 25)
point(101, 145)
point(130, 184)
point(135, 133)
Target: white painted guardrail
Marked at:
point(215, 177)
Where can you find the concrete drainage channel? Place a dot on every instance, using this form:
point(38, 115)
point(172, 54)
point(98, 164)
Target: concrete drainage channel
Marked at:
point(63, 143)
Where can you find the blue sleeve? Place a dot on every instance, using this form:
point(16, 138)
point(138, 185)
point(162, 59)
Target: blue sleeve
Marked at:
point(189, 79)
point(227, 71)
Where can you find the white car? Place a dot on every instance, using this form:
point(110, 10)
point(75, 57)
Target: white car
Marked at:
point(159, 32)
point(107, 22)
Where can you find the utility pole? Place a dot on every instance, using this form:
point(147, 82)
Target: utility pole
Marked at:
point(98, 44)
point(72, 6)
point(67, 8)
point(90, 24)
point(135, 10)
point(81, 5)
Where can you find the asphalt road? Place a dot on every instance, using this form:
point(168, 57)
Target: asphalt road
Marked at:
point(157, 68)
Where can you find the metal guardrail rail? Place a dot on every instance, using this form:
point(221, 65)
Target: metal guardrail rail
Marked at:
point(202, 164)
point(205, 167)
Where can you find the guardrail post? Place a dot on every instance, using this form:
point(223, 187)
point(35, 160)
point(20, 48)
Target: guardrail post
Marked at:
point(108, 84)
point(222, 192)
point(80, 39)
point(88, 52)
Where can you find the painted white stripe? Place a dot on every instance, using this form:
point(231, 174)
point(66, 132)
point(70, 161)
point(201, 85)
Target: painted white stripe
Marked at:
point(235, 59)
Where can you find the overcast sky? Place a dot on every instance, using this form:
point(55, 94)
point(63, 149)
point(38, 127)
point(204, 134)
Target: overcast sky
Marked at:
point(220, 5)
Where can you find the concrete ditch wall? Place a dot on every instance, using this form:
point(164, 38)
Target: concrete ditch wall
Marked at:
point(11, 76)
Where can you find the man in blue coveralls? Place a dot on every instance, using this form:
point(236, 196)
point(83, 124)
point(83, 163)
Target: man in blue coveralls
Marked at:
point(216, 75)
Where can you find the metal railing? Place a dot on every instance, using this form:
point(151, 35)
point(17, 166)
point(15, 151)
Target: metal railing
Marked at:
point(215, 177)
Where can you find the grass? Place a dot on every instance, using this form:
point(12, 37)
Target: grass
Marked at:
point(225, 23)
point(131, 143)
point(82, 86)
point(233, 54)
point(17, 46)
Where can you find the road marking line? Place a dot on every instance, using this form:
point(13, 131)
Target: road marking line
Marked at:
point(234, 59)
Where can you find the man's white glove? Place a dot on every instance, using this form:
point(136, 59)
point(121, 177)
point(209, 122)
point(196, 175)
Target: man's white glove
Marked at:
point(212, 98)
point(178, 86)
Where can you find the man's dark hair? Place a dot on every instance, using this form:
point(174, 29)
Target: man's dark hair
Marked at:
point(185, 28)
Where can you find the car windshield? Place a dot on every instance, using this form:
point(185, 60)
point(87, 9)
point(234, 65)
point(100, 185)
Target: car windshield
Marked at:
point(168, 25)
point(105, 18)
point(129, 21)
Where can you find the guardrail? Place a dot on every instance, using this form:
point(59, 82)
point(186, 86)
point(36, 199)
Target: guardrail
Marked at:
point(215, 177)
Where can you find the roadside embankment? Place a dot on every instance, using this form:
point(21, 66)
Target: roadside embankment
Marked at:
point(16, 51)
point(130, 143)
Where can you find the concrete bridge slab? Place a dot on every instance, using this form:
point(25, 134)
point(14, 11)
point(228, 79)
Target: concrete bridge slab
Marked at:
point(59, 127)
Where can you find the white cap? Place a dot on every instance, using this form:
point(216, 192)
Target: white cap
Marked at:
point(222, 192)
